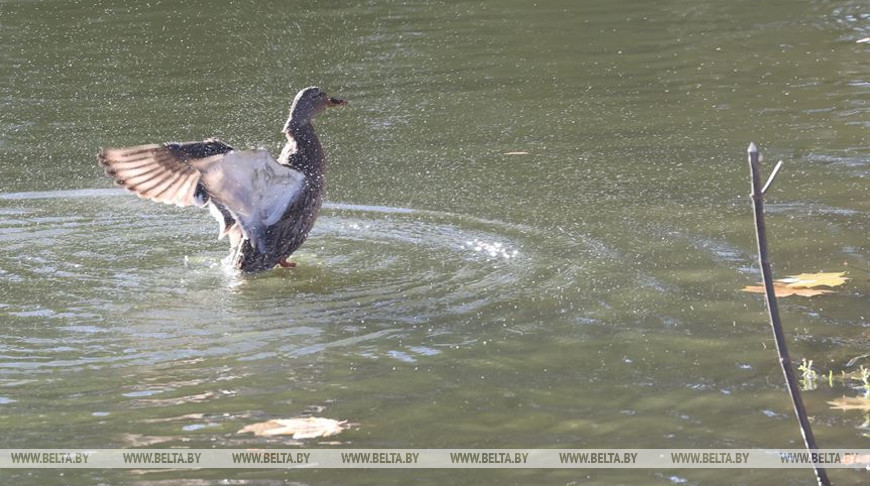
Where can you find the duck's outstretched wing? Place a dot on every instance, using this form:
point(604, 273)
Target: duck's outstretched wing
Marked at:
point(249, 185)
point(162, 172)
point(253, 187)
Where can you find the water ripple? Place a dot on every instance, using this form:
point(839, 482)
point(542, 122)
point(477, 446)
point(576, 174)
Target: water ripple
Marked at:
point(152, 283)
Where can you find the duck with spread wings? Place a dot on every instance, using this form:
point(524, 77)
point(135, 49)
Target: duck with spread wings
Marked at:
point(265, 206)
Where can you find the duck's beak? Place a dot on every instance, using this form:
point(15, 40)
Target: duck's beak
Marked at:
point(336, 102)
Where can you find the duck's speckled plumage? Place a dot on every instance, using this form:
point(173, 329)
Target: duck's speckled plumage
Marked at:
point(265, 207)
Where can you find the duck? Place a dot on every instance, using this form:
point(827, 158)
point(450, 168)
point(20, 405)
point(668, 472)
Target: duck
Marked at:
point(265, 207)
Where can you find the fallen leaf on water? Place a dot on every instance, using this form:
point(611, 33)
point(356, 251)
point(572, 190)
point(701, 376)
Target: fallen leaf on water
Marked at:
point(808, 280)
point(803, 284)
point(137, 440)
point(851, 403)
point(190, 416)
point(516, 153)
point(782, 290)
point(299, 428)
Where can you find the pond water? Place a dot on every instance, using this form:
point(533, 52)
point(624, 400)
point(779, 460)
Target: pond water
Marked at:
point(536, 231)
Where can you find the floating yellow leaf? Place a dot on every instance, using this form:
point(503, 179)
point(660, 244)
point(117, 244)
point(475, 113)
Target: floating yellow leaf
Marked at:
point(782, 290)
point(809, 280)
point(803, 284)
point(516, 153)
point(851, 403)
point(299, 428)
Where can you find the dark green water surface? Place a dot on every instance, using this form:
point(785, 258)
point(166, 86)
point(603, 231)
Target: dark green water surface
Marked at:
point(536, 233)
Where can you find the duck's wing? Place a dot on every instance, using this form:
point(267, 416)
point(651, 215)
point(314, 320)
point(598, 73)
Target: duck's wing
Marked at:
point(246, 187)
point(254, 188)
point(198, 150)
point(163, 172)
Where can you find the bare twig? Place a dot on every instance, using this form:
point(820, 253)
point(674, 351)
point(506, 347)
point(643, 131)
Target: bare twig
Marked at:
point(770, 179)
point(773, 311)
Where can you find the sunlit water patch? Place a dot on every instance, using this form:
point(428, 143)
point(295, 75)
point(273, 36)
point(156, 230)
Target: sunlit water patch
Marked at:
point(151, 284)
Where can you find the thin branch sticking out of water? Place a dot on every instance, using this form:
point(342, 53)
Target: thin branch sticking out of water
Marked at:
point(773, 311)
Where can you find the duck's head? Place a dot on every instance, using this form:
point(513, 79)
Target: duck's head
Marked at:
point(309, 103)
